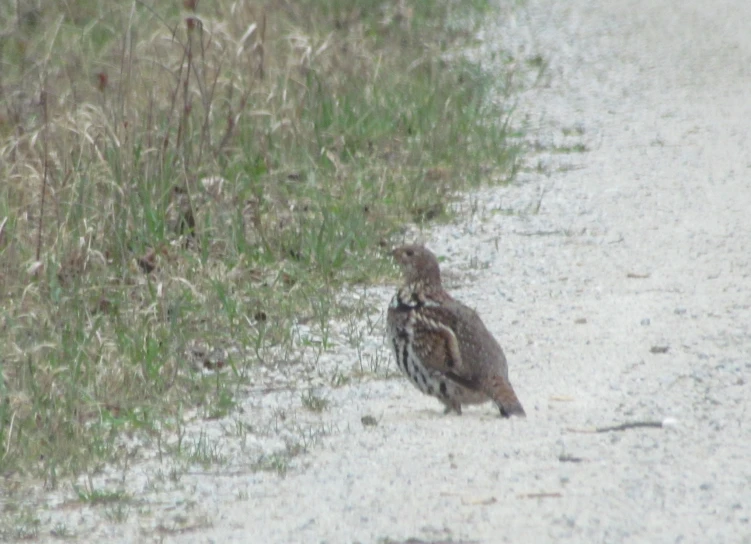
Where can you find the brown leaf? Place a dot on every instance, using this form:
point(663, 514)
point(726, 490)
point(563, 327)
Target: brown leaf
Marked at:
point(435, 175)
point(102, 81)
point(103, 306)
point(147, 263)
point(213, 365)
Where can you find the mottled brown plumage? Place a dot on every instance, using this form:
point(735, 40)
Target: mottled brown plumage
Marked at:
point(442, 345)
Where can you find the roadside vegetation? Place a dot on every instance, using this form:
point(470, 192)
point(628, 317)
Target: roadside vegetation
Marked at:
point(183, 181)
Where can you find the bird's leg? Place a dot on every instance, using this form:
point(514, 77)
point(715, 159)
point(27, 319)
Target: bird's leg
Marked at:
point(451, 405)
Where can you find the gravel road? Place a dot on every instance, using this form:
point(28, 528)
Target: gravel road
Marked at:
point(615, 272)
point(619, 281)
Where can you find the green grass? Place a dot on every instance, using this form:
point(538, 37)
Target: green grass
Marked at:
point(20, 524)
point(175, 178)
point(98, 496)
point(313, 402)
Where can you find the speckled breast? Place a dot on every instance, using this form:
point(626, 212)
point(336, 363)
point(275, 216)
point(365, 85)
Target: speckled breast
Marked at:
point(429, 381)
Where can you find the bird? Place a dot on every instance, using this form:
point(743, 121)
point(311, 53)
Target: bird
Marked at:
point(442, 345)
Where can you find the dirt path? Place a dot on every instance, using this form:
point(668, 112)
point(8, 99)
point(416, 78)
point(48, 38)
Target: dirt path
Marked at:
point(641, 243)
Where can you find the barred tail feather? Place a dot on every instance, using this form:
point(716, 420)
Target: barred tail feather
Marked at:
point(500, 390)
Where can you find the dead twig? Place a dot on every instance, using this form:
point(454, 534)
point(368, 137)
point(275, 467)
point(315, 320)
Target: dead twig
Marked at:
point(541, 233)
point(564, 458)
point(621, 427)
point(539, 496)
point(45, 174)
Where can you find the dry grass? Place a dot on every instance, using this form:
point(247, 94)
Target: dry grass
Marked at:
point(182, 176)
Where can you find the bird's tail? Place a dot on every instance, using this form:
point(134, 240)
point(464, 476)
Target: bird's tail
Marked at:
point(500, 390)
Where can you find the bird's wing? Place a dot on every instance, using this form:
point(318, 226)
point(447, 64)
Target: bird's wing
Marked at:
point(435, 342)
point(461, 348)
point(452, 339)
point(477, 344)
point(439, 340)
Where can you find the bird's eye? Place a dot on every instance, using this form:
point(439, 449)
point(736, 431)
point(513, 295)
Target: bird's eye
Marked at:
point(409, 252)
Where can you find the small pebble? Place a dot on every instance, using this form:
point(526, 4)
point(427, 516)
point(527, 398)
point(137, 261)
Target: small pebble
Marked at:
point(368, 421)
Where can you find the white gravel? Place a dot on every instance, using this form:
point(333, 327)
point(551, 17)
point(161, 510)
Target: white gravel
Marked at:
point(660, 93)
point(642, 241)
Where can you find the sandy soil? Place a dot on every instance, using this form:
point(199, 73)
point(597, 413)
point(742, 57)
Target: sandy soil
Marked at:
point(583, 268)
point(647, 237)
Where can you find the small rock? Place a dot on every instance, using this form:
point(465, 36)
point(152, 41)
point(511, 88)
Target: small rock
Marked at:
point(368, 421)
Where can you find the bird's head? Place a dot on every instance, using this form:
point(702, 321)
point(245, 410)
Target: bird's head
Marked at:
point(418, 264)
